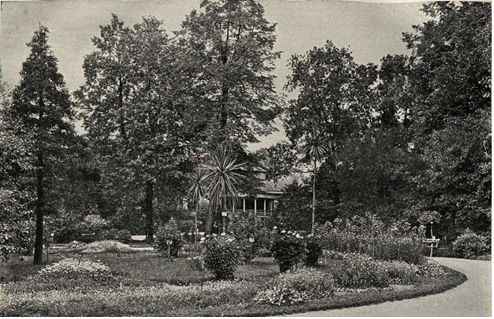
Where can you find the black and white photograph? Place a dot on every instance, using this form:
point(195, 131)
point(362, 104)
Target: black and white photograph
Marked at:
point(245, 158)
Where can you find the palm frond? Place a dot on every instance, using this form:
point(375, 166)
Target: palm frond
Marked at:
point(224, 175)
point(197, 182)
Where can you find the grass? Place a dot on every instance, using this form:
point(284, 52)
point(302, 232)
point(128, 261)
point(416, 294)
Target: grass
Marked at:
point(153, 286)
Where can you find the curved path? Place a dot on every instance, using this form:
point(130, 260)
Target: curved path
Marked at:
point(473, 298)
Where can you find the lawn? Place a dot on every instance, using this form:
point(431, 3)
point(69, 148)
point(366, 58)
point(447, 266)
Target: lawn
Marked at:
point(146, 284)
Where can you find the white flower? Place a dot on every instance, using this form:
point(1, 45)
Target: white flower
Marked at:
point(203, 238)
point(283, 231)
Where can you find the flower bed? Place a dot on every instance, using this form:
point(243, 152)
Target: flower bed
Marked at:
point(146, 284)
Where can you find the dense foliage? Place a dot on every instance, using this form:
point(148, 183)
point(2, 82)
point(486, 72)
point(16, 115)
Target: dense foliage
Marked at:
point(369, 235)
point(407, 137)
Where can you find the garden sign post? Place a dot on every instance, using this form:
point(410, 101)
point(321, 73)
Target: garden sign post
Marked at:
point(169, 243)
point(251, 241)
point(224, 214)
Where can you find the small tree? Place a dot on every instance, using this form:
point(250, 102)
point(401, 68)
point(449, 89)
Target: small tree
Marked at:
point(197, 192)
point(223, 176)
point(314, 148)
point(169, 237)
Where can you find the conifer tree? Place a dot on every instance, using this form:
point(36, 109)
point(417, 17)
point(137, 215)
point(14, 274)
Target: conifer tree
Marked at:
point(41, 104)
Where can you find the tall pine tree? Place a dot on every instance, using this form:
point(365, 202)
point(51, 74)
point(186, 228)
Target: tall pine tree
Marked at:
point(41, 104)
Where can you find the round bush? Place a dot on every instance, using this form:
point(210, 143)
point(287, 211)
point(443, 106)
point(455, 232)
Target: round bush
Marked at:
point(470, 245)
point(221, 257)
point(288, 250)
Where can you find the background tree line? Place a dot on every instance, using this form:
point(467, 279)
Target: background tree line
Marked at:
point(407, 139)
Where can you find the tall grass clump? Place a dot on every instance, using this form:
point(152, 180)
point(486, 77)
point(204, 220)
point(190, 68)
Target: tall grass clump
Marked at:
point(369, 235)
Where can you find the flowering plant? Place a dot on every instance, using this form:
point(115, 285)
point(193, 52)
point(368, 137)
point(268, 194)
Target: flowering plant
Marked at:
point(72, 268)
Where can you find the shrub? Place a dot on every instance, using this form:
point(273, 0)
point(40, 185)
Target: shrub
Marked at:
point(359, 271)
point(107, 246)
point(470, 245)
point(196, 263)
point(169, 232)
point(430, 268)
point(297, 286)
point(314, 251)
point(288, 250)
point(400, 272)
point(221, 256)
point(121, 235)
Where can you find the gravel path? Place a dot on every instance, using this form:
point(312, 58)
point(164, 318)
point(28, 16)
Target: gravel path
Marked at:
point(473, 298)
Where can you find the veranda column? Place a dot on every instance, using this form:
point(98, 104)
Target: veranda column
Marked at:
point(265, 207)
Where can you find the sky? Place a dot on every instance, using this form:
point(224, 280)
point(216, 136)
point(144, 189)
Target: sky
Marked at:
point(369, 30)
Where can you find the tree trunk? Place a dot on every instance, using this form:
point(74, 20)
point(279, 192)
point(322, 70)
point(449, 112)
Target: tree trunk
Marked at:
point(209, 222)
point(313, 197)
point(40, 203)
point(148, 207)
point(223, 219)
point(195, 224)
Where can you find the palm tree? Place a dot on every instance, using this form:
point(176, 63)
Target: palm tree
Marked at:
point(314, 148)
point(197, 191)
point(223, 176)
